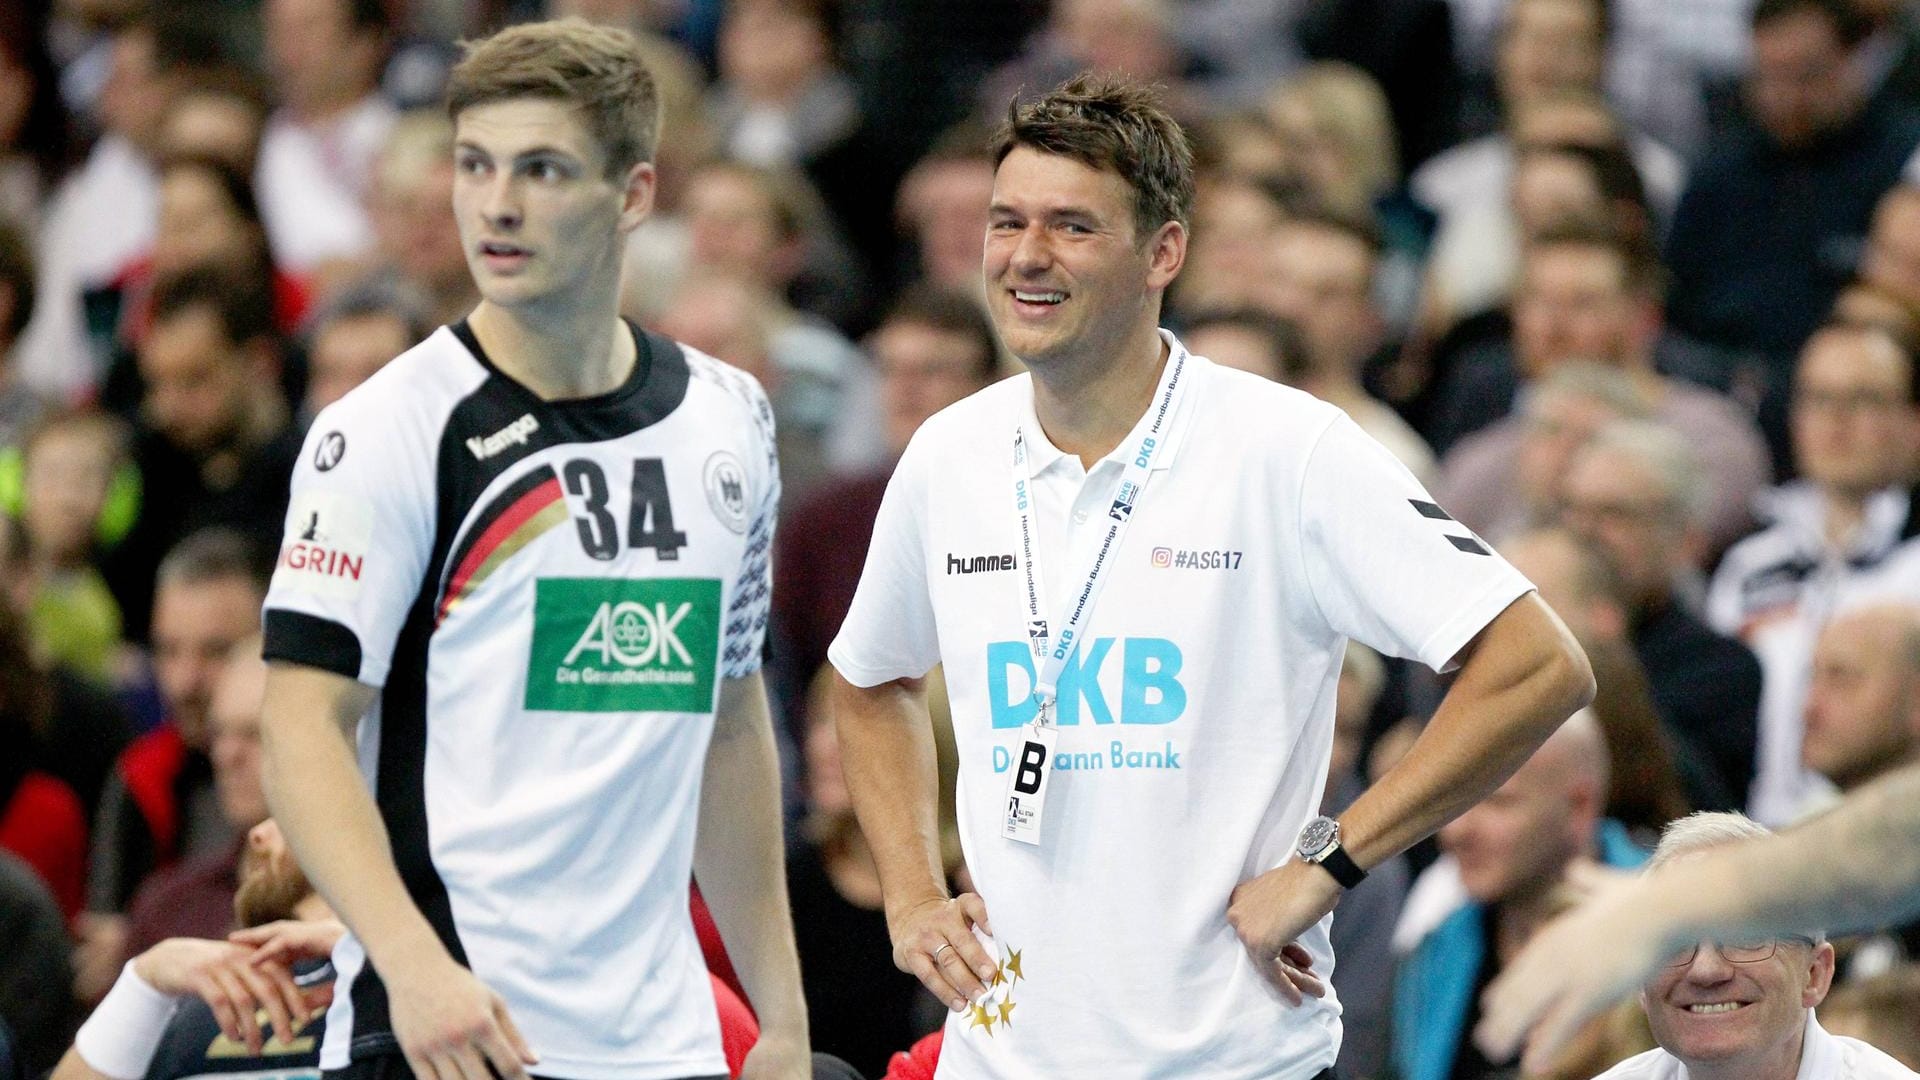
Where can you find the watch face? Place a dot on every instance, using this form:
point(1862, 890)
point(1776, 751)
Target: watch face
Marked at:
point(1319, 833)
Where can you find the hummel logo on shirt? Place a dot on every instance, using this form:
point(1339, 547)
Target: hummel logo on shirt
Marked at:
point(978, 564)
point(514, 434)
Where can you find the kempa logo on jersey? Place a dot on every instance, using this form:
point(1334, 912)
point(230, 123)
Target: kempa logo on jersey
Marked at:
point(624, 645)
point(978, 564)
point(514, 434)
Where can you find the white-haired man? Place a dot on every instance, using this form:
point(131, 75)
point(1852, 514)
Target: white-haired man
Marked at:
point(1743, 1007)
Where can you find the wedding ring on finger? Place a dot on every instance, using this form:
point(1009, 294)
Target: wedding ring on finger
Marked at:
point(936, 953)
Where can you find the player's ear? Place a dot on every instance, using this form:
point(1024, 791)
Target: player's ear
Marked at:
point(1166, 254)
point(637, 190)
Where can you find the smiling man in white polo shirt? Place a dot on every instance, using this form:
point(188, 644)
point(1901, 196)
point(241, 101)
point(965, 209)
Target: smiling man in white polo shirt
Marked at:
point(1140, 571)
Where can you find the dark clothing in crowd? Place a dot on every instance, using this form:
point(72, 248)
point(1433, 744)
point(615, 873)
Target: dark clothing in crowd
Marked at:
point(84, 739)
point(1707, 688)
point(859, 1005)
point(192, 898)
point(818, 555)
point(36, 958)
point(177, 499)
point(159, 807)
point(1764, 239)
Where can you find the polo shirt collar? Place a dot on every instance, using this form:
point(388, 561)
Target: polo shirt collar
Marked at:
point(1819, 1052)
point(1042, 454)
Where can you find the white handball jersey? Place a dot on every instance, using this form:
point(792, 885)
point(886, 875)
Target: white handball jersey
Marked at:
point(546, 594)
point(1195, 716)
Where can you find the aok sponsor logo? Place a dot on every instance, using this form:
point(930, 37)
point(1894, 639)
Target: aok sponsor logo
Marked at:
point(624, 645)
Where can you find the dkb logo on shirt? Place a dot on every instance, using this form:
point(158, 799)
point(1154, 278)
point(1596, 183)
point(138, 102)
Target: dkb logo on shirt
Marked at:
point(612, 645)
point(1150, 689)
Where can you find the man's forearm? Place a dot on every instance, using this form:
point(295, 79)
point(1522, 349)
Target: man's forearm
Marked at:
point(887, 753)
point(322, 804)
point(1525, 676)
point(739, 862)
point(1856, 867)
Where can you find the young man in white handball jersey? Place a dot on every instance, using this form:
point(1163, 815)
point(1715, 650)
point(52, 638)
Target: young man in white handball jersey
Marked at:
point(529, 559)
point(1140, 570)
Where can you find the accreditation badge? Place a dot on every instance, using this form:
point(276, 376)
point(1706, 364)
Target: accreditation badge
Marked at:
point(1027, 783)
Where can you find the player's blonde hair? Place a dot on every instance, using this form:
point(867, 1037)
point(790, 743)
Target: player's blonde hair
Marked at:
point(599, 70)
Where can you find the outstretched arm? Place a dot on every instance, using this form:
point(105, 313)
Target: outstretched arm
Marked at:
point(1851, 869)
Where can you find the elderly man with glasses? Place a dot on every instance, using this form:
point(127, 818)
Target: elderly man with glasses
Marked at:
point(1743, 1009)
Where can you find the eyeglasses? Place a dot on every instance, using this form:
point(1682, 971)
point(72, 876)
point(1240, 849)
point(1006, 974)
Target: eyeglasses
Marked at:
point(1750, 951)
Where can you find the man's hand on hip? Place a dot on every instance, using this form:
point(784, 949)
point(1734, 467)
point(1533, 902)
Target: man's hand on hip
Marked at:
point(933, 941)
point(451, 1026)
point(1270, 912)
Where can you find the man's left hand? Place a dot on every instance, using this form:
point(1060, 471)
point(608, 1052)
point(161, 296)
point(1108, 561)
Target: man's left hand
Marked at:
point(1270, 912)
point(775, 1058)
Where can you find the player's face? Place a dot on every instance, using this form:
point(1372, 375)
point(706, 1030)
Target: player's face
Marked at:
point(1714, 1010)
point(1067, 276)
point(539, 217)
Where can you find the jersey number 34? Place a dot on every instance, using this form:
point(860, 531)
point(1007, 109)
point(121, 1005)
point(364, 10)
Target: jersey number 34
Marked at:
point(649, 521)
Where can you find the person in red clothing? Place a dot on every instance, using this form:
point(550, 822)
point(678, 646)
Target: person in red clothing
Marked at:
point(40, 816)
point(161, 804)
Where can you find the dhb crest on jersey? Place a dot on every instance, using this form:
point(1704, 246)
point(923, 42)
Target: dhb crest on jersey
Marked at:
point(726, 481)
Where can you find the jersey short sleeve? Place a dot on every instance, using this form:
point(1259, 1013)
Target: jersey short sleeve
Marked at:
point(359, 533)
point(1386, 564)
point(889, 632)
point(747, 612)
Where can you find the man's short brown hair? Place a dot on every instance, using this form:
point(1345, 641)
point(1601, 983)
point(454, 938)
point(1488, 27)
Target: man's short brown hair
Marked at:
point(1114, 126)
point(597, 69)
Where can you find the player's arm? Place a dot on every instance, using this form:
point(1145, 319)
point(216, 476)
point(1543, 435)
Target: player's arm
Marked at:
point(887, 753)
point(1519, 679)
point(1854, 868)
point(444, 1019)
point(740, 865)
point(119, 1040)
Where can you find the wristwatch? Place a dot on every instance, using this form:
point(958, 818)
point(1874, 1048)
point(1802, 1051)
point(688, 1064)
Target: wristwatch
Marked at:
point(1320, 845)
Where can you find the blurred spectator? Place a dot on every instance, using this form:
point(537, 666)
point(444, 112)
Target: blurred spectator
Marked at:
point(34, 143)
point(1497, 489)
point(1250, 340)
point(1879, 1011)
point(208, 220)
point(1756, 258)
point(1588, 294)
point(1546, 48)
point(419, 246)
point(195, 897)
point(1407, 46)
point(35, 1005)
point(1635, 492)
point(1338, 138)
point(316, 160)
point(1234, 221)
point(103, 215)
point(1868, 304)
point(1477, 252)
point(932, 349)
point(781, 101)
point(942, 209)
point(1320, 274)
point(1891, 261)
point(41, 819)
point(216, 444)
point(1135, 38)
point(20, 402)
point(1363, 934)
point(221, 114)
point(859, 1005)
point(353, 336)
point(1840, 535)
point(1658, 773)
point(1863, 698)
point(1511, 854)
point(78, 491)
point(162, 803)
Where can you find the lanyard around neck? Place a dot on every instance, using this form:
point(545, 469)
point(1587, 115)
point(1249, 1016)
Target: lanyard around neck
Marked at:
point(1054, 642)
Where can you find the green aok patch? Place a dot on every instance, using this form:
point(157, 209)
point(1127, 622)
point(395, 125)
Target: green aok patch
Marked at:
point(624, 645)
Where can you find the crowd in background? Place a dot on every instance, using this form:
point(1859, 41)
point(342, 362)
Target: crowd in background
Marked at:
point(1632, 285)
